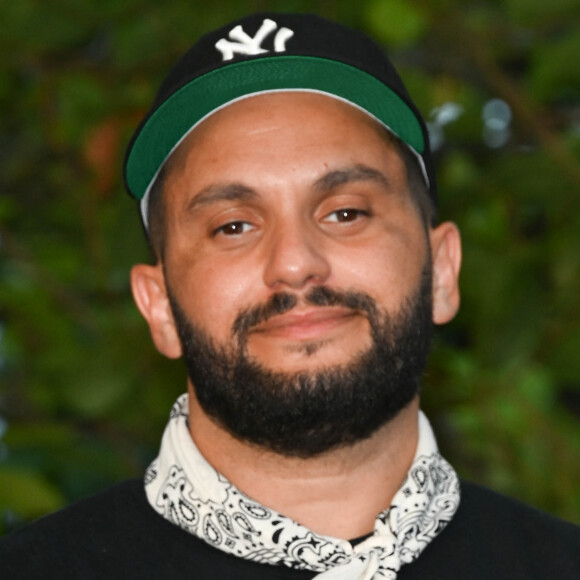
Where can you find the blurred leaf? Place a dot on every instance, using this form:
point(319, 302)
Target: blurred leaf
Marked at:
point(556, 68)
point(396, 22)
point(80, 100)
point(532, 12)
point(564, 357)
point(28, 494)
point(38, 25)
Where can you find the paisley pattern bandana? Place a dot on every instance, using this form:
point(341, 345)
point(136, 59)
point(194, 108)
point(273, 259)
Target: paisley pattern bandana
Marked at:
point(182, 486)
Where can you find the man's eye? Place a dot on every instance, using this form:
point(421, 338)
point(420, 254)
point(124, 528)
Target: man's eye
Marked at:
point(345, 215)
point(234, 228)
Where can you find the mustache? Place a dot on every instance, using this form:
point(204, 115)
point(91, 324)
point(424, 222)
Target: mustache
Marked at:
point(283, 302)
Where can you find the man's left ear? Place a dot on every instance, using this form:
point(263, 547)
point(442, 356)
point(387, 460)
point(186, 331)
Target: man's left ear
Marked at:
point(446, 258)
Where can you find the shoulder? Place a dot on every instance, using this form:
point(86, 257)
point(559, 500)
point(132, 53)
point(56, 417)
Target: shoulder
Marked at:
point(120, 502)
point(116, 534)
point(83, 539)
point(493, 536)
point(508, 524)
point(492, 510)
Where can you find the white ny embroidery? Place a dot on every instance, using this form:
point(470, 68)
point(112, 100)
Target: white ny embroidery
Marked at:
point(241, 43)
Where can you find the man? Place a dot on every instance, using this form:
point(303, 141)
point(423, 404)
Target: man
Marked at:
point(289, 196)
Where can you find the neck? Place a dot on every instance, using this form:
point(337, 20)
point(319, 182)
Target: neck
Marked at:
point(338, 493)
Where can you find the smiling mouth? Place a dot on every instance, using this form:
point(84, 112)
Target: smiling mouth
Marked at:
point(306, 325)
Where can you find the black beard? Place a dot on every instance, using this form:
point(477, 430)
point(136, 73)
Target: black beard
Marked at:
point(304, 414)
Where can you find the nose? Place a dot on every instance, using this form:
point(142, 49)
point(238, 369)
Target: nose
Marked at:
point(295, 258)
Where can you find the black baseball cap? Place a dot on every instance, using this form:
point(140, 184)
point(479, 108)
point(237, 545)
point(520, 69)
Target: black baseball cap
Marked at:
point(265, 53)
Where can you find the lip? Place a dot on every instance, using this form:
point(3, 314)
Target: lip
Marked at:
point(305, 325)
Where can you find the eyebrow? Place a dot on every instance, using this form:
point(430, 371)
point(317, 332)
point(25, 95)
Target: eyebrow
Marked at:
point(236, 191)
point(352, 174)
point(221, 192)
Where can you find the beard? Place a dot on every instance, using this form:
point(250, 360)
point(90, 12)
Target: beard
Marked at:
point(306, 413)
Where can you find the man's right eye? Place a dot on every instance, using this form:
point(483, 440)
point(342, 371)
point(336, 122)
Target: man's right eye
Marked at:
point(234, 228)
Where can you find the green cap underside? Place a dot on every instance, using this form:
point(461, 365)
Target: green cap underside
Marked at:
point(176, 116)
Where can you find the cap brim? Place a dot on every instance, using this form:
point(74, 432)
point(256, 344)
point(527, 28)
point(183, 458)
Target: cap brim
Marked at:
point(166, 127)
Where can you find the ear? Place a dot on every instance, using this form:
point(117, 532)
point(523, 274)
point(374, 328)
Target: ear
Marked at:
point(150, 294)
point(446, 257)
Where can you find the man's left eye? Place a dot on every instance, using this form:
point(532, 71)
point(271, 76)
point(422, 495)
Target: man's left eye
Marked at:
point(234, 228)
point(345, 215)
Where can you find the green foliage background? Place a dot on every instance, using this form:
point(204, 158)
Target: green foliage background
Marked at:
point(84, 396)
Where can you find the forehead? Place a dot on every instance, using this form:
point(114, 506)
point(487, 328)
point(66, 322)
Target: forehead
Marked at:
point(271, 131)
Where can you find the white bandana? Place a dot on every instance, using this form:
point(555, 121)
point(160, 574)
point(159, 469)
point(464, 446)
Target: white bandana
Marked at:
point(182, 486)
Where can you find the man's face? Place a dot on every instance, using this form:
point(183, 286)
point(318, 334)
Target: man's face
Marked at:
point(281, 193)
point(296, 261)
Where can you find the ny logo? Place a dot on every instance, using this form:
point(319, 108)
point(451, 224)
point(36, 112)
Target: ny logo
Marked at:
point(241, 43)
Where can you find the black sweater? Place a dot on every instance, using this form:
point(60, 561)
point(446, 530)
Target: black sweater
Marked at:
point(117, 535)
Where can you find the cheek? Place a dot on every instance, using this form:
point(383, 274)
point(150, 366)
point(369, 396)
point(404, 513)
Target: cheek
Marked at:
point(213, 294)
point(389, 270)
